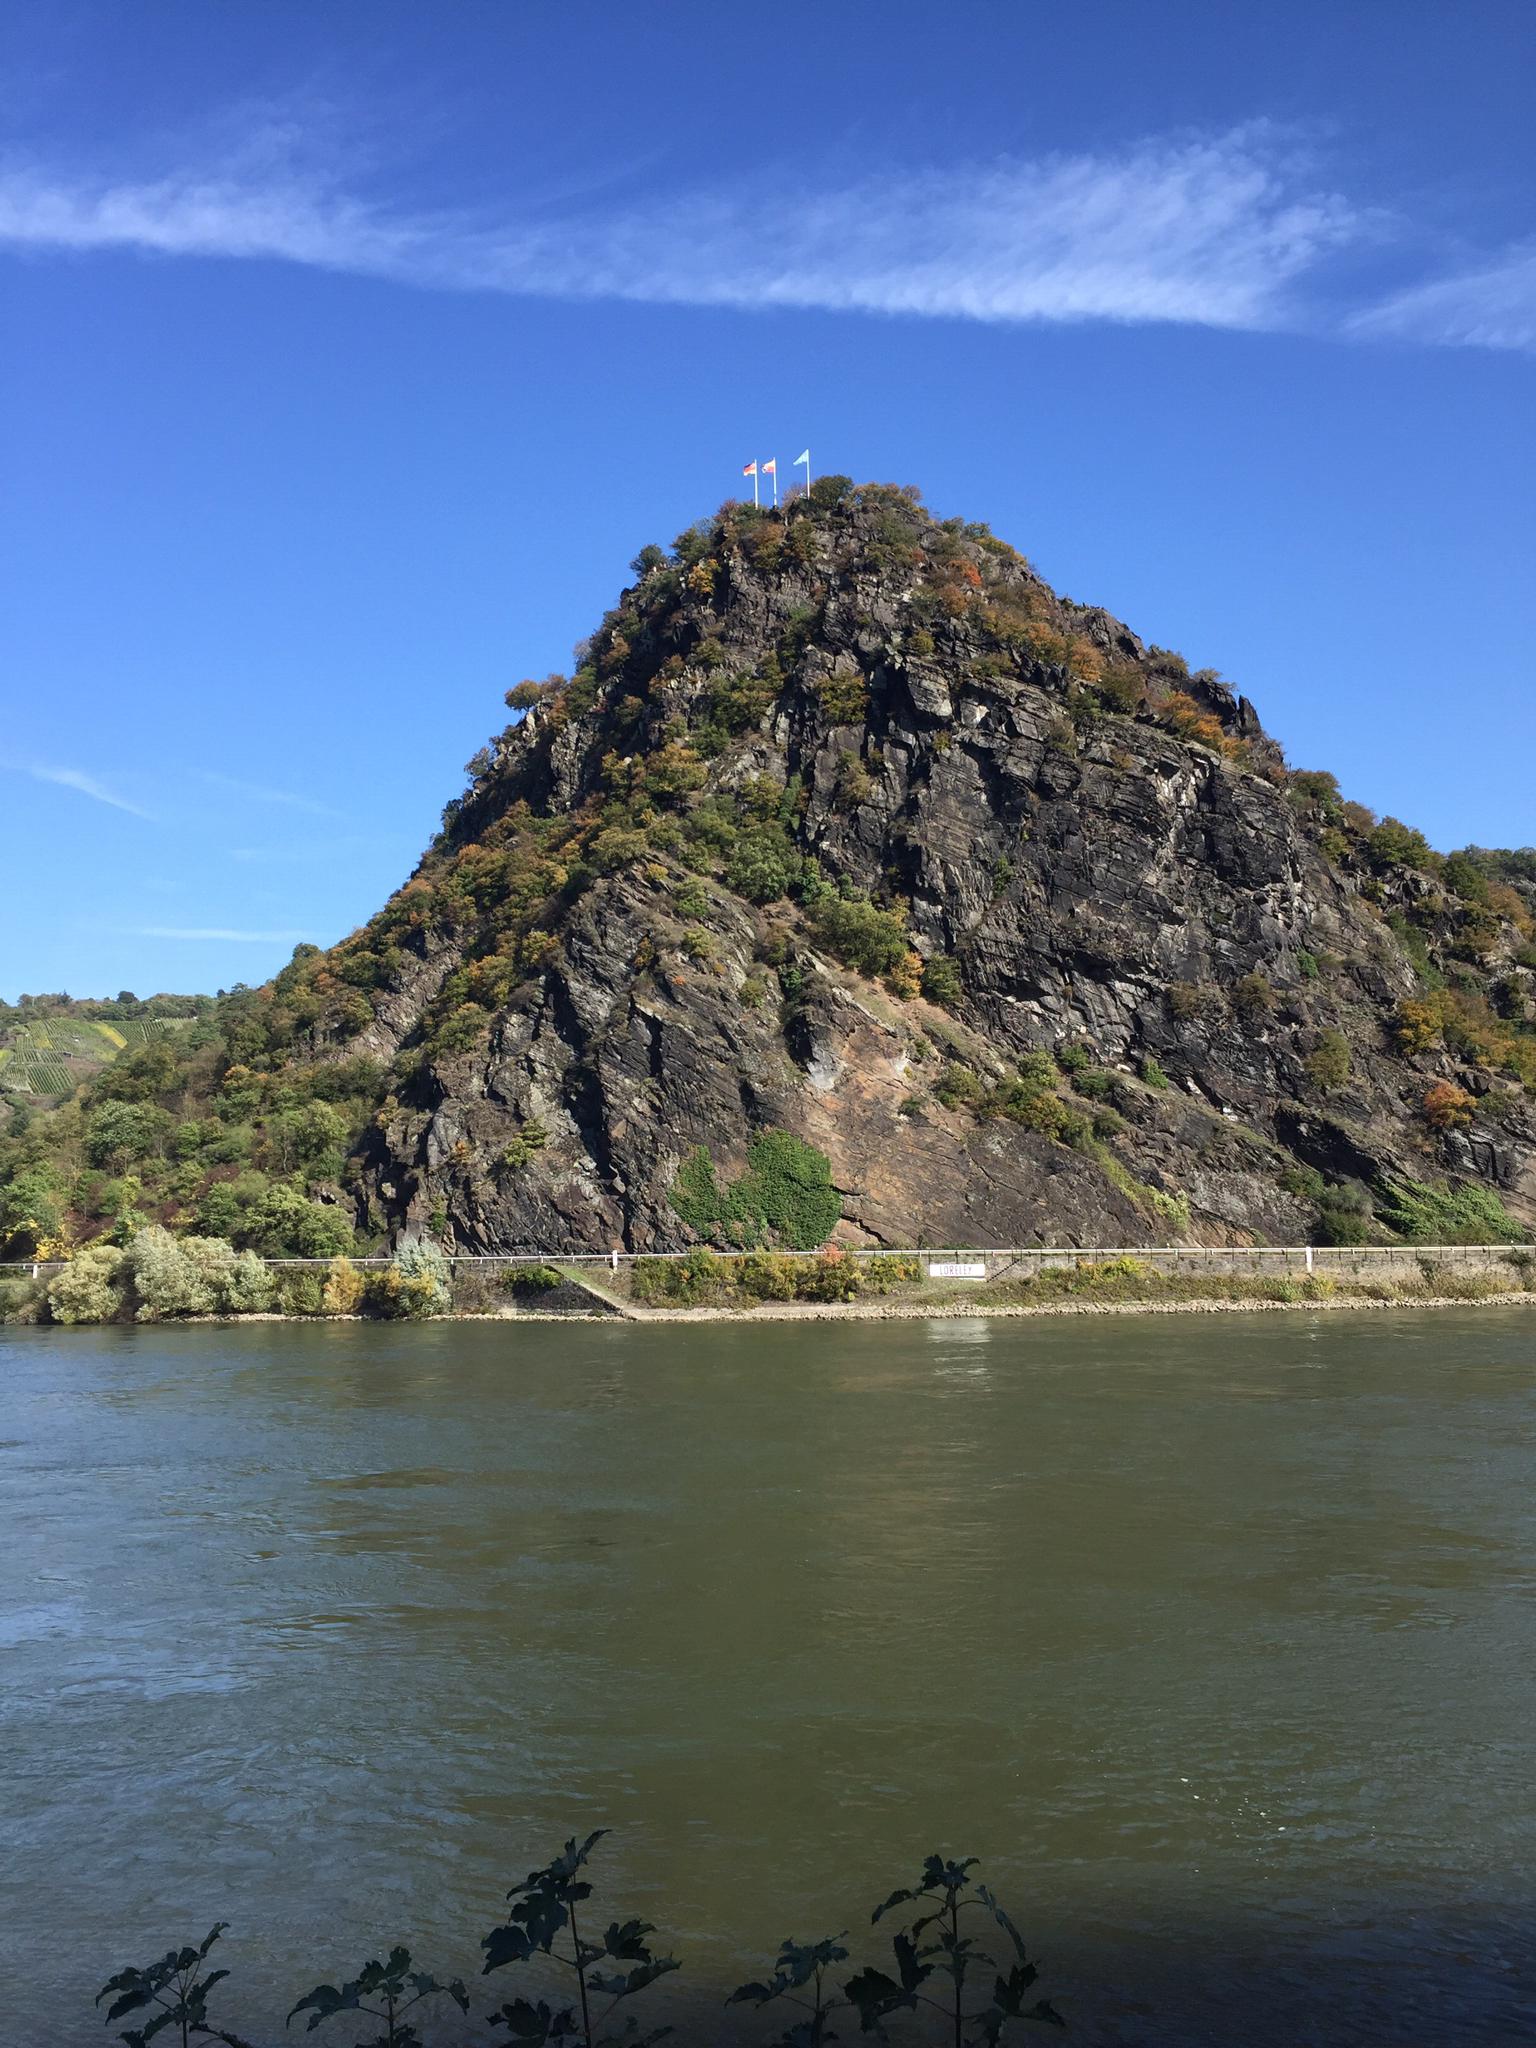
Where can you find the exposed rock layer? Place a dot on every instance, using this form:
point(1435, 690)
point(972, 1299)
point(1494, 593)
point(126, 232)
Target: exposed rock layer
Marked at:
point(1107, 852)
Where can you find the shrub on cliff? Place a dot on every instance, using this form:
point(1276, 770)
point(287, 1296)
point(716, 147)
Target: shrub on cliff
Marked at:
point(785, 1196)
point(1468, 1214)
point(941, 981)
point(870, 940)
point(1446, 1107)
point(844, 698)
point(1328, 1065)
point(763, 865)
point(1394, 844)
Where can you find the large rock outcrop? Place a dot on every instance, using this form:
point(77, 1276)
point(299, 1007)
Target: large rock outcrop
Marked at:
point(844, 822)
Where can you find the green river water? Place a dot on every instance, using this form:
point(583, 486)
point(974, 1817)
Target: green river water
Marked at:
point(1212, 1635)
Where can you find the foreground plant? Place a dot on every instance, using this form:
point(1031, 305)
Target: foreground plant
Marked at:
point(801, 1966)
point(950, 1953)
point(177, 1988)
point(545, 1907)
point(394, 1988)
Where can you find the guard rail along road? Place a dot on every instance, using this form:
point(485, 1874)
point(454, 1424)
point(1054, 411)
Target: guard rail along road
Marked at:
point(988, 1264)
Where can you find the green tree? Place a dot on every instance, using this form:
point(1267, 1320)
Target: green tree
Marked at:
point(118, 1133)
point(286, 1224)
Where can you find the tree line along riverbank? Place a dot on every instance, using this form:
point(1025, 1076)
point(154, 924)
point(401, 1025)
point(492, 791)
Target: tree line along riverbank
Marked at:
point(157, 1277)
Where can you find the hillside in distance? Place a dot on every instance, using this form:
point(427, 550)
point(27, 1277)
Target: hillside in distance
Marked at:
point(858, 882)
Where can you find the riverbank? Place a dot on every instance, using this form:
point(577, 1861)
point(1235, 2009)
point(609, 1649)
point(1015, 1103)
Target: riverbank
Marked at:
point(959, 1308)
point(769, 1287)
point(930, 1311)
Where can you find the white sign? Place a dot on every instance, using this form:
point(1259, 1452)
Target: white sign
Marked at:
point(956, 1269)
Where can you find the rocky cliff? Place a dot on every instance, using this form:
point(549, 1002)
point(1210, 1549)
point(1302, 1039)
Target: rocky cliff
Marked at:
point(848, 827)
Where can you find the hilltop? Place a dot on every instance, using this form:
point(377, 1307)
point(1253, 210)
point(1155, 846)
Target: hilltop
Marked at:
point(857, 883)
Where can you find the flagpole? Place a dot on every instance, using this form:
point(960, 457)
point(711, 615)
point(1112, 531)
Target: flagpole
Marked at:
point(754, 484)
point(775, 483)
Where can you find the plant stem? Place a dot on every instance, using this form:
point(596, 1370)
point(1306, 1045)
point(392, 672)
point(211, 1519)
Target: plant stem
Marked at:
point(954, 1929)
point(581, 1983)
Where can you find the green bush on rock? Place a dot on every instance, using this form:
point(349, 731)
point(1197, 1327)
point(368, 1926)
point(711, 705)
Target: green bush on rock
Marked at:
point(785, 1196)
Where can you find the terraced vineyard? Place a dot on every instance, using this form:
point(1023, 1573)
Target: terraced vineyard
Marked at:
point(49, 1057)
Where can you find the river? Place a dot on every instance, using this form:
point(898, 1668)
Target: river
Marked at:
point(1213, 1636)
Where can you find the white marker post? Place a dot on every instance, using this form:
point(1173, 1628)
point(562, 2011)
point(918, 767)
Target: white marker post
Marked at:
point(750, 469)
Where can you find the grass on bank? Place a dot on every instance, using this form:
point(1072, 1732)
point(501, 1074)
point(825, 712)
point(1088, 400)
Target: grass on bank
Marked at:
point(706, 1280)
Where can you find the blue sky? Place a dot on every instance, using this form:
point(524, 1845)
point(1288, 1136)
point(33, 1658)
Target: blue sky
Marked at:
point(348, 353)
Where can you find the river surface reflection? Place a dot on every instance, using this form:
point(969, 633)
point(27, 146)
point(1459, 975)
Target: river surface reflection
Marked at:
point(1213, 1636)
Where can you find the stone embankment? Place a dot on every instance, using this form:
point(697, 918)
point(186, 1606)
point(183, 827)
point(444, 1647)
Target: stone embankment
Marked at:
point(934, 1311)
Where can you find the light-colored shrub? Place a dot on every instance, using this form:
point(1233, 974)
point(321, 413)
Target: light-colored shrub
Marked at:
point(343, 1289)
point(87, 1290)
point(422, 1280)
point(247, 1286)
point(169, 1279)
point(193, 1276)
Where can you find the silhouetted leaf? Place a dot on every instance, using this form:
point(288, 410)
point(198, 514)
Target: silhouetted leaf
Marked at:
point(535, 1921)
point(325, 2000)
point(989, 1901)
point(627, 1943)
point(506, 1945)
point(872, 1995)
point(913, 1970)
point(637, 1979)
point(536, 2023)
point(753, 1994)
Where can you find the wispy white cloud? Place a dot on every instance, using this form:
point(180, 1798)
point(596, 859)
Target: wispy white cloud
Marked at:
point(87, 785)
point(260, 793)
point(177, 931)
point(1491, 306)
point(1232, 231)
point(1215, 231)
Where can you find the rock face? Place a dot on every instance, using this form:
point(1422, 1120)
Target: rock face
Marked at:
point(847, 826)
